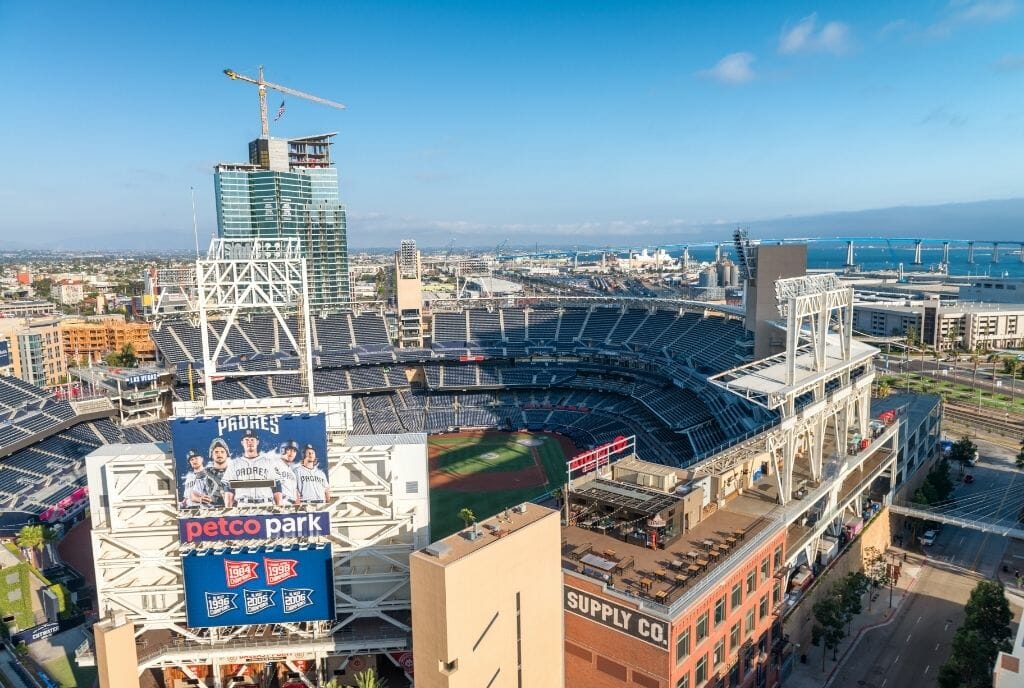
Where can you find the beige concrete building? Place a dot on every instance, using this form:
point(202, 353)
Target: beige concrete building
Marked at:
point(1008, 672)
point(37, 351)
point(117, 657)
point(409, 294)
point(487, 608)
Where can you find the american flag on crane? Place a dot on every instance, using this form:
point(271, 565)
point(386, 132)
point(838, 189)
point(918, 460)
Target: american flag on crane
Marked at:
point(280, 112)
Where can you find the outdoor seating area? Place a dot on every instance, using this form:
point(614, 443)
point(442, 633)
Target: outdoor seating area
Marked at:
point(660, 575)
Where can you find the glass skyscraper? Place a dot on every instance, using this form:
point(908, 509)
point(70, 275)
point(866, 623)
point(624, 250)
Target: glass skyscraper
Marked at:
point(289, 188)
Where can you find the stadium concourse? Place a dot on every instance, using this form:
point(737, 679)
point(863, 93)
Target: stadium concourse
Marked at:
point(588, 372)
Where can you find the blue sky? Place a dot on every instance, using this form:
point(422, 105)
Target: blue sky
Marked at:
point(479, 121)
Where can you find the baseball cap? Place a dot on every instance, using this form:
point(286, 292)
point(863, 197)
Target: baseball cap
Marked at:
point(219, 442)
point(290, 444)
point(308, 446)
point(250, 433)
point(192, 453)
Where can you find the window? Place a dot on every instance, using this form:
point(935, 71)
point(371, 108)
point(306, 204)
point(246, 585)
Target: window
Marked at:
point(776, 594)
point(719, 611)
point(702, 627)
point(683, 645)
point(684, 681)
point(751, 582)
point(750, 622)
point(764, 569)
point(734, 636)
point(719, 654)
point(700, 672)
point(778, 557)
point(737, 595)
point(762, 608)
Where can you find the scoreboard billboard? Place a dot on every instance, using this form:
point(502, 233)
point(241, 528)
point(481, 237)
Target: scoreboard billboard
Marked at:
point(258, 585)
point(250, 460)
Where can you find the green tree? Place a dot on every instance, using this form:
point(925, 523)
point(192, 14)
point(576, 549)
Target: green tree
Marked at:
point(850, 590)
point(370, 679)
point(884, 389)
point(467, 516)
point(963, 452)
point(43, 287)
point(984, 633)
point(876, 569)
point(831, 624)
point(31, 537)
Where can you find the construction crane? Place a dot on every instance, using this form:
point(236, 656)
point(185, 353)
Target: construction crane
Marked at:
point(262, 86)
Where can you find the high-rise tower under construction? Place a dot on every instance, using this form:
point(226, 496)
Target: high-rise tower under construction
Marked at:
point(289, 188)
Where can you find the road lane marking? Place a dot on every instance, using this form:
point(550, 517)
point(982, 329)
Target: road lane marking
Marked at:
point(918, 620)
point(926, 669)
point(936, 647)
point(896, 660)
point(884, 681)
point(908, 637)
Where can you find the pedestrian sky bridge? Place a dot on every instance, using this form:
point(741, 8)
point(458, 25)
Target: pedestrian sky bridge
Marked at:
point(994, 511)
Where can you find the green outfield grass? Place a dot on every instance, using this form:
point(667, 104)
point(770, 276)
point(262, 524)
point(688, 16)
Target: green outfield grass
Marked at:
point(461, 455)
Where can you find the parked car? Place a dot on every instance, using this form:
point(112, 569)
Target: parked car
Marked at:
point(928, 539)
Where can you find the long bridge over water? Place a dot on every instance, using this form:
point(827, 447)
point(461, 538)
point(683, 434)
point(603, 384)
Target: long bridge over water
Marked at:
point(916, 244)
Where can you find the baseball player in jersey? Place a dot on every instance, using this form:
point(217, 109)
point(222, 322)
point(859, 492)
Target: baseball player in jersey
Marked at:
point(252, 465)
point(194, 483)
point(312, 481)
point(220, 460)
point(286, 472)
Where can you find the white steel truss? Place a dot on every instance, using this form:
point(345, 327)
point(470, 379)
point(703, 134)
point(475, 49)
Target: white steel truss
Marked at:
point(243, 275)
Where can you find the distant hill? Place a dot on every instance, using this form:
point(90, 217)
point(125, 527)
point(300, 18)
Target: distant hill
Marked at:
point(997, 220)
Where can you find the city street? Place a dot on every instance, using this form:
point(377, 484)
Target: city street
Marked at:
point(908, 649)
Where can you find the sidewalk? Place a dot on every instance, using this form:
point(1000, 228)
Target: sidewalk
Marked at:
point(810, 675)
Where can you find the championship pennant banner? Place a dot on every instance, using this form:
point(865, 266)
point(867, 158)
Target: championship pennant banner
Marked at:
point(261, 585)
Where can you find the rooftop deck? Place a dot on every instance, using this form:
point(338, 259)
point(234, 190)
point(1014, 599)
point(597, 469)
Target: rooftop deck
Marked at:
point(663, 576)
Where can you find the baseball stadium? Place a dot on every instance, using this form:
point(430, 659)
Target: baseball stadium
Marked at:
point(421, 440)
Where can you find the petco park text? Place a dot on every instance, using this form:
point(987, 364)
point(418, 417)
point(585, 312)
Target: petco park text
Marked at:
point(256, 527)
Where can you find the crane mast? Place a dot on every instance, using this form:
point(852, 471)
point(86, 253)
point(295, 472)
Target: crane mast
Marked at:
point(261, 88)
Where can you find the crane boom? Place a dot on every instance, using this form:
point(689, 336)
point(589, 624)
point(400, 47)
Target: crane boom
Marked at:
point(262, 85)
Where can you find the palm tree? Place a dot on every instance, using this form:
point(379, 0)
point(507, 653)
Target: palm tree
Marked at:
point(467, 516)
point(884, 389)
point(369, 679)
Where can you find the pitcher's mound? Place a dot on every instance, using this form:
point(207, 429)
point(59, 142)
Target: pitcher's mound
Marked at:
point(532, 442)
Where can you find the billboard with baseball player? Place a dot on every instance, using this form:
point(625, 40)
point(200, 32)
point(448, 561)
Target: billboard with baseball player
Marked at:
point(258, 586)
point(250, 460)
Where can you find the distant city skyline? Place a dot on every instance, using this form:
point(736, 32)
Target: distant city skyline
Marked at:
point(564, 124)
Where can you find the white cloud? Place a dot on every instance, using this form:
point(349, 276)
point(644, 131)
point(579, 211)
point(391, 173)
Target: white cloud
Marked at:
point(1010, 63)
point(734, 68)
point(834, 37)
point(896, 25)
point(963, 12)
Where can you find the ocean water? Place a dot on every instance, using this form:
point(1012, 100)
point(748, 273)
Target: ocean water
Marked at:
point(885, 257)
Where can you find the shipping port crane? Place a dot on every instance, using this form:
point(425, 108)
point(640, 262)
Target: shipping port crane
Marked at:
point(262, 85)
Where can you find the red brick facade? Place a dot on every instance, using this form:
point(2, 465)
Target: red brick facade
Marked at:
point(730, 646)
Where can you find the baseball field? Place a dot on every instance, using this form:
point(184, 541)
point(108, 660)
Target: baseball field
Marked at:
point(488, 472)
